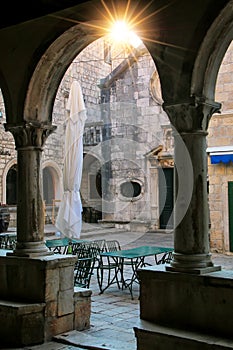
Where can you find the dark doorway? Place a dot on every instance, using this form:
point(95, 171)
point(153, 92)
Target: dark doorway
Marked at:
point(48, 186)
point(166, 198)
point(11, 186)
point(230, 205)
point(91, 189)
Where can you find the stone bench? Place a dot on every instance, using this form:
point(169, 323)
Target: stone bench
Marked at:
point(24, 323)
point(21, 323)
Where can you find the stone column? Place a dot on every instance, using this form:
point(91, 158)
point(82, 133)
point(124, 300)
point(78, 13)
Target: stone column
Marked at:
point(154, 193)
point(29, 139)
point(191, 219)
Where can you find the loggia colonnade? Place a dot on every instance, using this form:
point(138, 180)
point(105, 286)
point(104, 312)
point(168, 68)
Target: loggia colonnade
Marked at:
point(187, 64)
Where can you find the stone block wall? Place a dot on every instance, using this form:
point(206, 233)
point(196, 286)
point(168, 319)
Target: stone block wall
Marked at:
point(67, 308)
point(220, 134)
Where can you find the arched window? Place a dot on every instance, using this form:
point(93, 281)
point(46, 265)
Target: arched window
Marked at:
point(11, 186)
point(48, 185)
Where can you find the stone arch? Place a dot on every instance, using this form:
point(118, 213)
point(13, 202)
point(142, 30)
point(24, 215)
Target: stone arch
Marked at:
point(211, 54)
point(9, 165)
point(51, 69)
point(56, 175)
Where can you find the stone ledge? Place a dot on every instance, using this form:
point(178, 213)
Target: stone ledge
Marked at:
point(52, 260)
point(153, 336)
point(82, 292)
point(219, 277)
point(114, 223)
point(20, 307)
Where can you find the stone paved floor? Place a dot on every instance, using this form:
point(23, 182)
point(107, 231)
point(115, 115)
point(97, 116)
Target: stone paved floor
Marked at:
point(114, 314)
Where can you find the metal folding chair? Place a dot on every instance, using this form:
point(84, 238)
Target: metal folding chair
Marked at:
point(110, 265)
point(86, 258)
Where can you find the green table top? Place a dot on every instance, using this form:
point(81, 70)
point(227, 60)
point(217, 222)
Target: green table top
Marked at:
point(8, 234)
point(138, 252)
point(62, 242)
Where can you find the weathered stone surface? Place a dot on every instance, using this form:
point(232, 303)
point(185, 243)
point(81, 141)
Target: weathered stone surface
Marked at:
point(65, 302)
point(51, 308)
point(58, 325)
point(66, 278)
point(52, 284)
point(82, 313)
point(82, 308)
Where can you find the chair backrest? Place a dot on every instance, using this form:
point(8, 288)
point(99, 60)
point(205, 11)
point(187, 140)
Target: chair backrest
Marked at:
point(87, 254)
point(112, 246)
point(100, 243)
point(83, 272)
point(87, 250)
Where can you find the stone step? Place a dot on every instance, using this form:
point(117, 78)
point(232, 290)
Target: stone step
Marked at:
point(87, 341)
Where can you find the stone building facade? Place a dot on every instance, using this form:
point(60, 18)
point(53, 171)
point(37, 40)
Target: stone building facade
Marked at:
point(122, 98)
point(128, 158)
point(220, 157)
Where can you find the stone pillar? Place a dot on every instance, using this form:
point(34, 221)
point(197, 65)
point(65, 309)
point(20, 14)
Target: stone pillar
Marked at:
point(29, 139)
point(191, 219)
point(154, 178)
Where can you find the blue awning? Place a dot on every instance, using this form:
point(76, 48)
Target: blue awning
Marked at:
point(218, 158)
point(220, 154)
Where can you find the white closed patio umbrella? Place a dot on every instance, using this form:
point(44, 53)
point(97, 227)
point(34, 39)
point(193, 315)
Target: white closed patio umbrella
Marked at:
point(69, 218)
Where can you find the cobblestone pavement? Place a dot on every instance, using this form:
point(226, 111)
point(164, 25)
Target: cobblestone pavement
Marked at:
point(114, 314)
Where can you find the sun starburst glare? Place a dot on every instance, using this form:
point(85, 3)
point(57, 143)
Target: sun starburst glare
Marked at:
point(124, 25)
point(121, 32)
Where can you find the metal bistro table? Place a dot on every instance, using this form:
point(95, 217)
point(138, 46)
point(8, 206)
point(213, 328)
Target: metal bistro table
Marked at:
point(63, 245)
point(135, 257)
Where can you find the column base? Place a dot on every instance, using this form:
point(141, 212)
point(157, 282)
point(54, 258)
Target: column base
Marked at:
point(192, 263)
point(30, 249)
point(198, 271)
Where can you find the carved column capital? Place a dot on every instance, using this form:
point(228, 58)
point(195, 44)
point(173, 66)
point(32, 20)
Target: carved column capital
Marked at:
point(30, 134)
point(193, 115)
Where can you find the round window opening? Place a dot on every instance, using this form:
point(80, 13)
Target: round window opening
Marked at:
point(130, 189)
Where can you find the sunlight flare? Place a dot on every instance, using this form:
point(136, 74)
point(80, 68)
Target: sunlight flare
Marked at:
point(120, 32)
